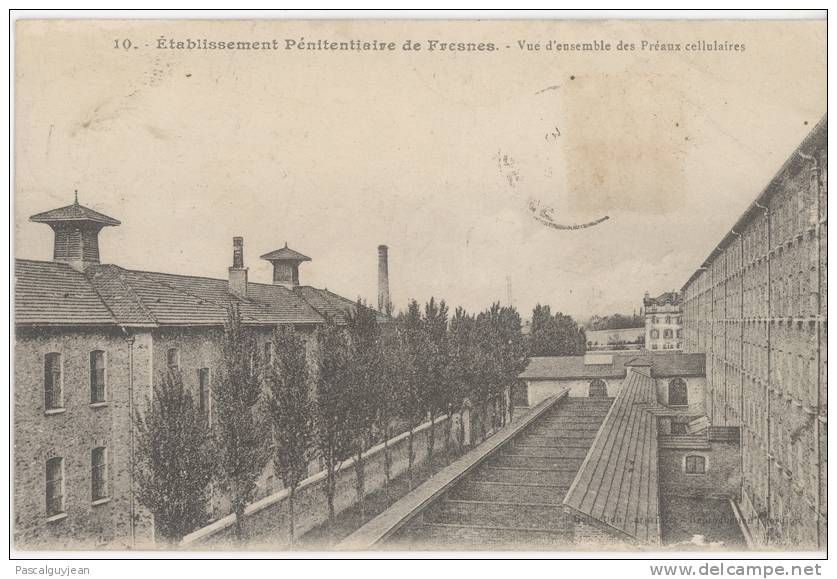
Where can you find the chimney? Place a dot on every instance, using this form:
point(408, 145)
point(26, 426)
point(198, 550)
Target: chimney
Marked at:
point(238, 273)
point(285, 263)
point(76, 233)
point(383, 279)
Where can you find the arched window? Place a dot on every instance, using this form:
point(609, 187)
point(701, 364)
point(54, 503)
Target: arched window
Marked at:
point(678, 394)
point(694, 464)
point(598, 389)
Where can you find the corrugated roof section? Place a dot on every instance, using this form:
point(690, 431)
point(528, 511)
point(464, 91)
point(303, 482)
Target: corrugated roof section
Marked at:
point(617, 483)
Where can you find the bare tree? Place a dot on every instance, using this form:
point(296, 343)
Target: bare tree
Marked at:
point(290, 406)
point(175, 460)
point(243, 431)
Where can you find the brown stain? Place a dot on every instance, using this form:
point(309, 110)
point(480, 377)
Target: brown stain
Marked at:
point(624, 144)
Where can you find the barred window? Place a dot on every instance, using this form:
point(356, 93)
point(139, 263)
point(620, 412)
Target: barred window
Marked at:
point(97, 376)
point(695, 464)
point(99, 473)
point(53, 382)
point(55, 486)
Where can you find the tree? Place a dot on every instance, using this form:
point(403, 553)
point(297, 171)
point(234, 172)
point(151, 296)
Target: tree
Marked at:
point(557, 335)
point(242, 429)
point(411, 408)
point(432, 365)
point(462, 364)
point(364, 367)
point(390, 386)
point(501, 358)
point(332, 413)
point(290, 407)
point(175, 460)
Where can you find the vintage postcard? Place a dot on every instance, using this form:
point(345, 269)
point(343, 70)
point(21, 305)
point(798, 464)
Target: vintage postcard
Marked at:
point(487, 285)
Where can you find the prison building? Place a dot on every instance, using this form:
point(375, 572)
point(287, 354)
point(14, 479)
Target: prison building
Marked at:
point(91, 340)
point(756, 307)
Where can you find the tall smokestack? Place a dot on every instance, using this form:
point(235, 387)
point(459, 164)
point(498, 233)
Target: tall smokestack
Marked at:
point(238, 273)
point(383, 279)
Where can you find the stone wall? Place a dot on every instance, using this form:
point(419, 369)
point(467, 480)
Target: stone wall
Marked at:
point(266, 520)
point(540, 390)
point(721, 480)
point(72, 433)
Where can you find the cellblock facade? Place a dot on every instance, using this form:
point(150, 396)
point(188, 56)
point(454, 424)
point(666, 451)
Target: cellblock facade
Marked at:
point(757, 308)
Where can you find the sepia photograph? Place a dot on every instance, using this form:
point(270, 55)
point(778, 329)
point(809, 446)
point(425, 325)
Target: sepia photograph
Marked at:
point(375, 286)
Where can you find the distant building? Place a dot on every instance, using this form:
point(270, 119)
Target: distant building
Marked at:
point(757, 308)
point(679, 377)
point(90, 342)
point(663, 321)
point(615, 340)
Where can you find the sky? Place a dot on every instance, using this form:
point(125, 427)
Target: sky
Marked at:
point(440, 155)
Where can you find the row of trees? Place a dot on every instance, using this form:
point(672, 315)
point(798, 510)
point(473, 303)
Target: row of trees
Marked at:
point(554, 334)
point(329, 396)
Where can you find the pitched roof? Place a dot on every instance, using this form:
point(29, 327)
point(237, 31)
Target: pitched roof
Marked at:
point(51, 293)
point(617, 483)
point(330, 304)
point(663, 365)
point(74, 212)
point(672, 298)
point(285, 254)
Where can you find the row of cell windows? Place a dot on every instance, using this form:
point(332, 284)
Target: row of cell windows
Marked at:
point(56, 481)
point(667, 346)
point(54, 379)
point(666, 319)
point(666, 334)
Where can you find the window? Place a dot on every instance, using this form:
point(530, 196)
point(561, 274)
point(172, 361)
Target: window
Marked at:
point(99, 473)
point(204, 394)
point(53, 385)
point(668, 334)
point(679, 319)
point(55, 486)
point(679, 428)
point(268, 353)
point(653, 346)
point(97, 376)
point(695, 464)
point(678, 393)
point(653, 319)
point(598, 389)
point(173, 359)
point(655, 334)
point(668, 319)
point(679, 333)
